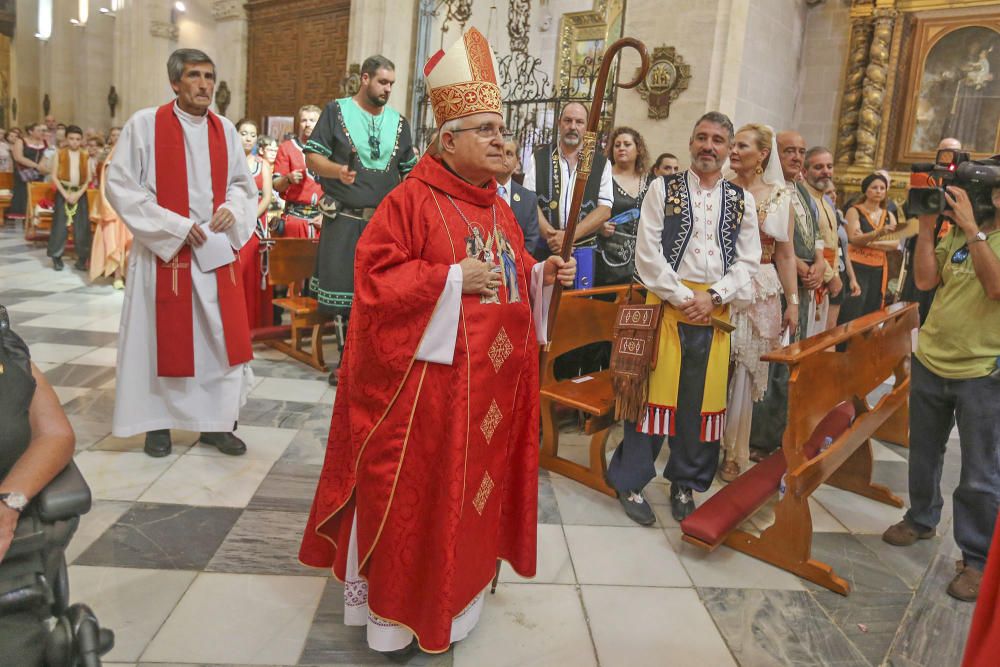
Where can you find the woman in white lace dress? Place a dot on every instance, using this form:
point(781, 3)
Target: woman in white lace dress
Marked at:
point(759, 324)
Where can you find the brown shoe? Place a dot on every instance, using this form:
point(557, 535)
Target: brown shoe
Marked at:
point(965, 585)
point(904, 534)
point(729, 471)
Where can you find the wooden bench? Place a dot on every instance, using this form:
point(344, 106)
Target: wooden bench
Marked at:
point(581, 321)
point(37, 224)
point(291, 264)
point(6, 183)
point(827, 399)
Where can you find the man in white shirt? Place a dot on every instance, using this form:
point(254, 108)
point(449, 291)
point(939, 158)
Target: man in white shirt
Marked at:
point(180, 183)
point(698, 247)
point(556, 194)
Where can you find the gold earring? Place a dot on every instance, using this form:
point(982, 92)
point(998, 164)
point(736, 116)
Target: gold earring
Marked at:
point(759, 170)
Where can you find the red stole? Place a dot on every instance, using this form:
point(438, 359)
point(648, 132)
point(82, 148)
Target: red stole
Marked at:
point(174, 304)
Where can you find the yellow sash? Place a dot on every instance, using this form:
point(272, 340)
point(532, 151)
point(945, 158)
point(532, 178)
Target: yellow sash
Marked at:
point(664, 381)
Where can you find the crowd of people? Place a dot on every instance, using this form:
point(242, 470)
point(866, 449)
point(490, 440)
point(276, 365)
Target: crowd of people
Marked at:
point(444, 290)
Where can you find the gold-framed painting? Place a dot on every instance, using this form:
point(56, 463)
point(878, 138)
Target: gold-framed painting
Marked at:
point(582, 39)
point(954, 81)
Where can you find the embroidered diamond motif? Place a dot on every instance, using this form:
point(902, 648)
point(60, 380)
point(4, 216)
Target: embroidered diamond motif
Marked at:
point(491, 421)
point(483, 494)
point(500, 349)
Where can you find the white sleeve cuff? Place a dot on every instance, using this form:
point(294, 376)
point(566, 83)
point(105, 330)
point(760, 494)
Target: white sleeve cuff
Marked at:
point(438, 343)
point(541, 297)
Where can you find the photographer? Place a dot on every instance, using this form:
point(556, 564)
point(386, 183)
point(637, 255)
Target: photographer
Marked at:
point(955, 375)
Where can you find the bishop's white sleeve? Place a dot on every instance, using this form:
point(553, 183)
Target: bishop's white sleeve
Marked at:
point(606, 195)
point(747, 262)
point(529, 173)
point(241, 191)
point(654, 271)
point(438, 342)
point(157, 228)
point(541, 297)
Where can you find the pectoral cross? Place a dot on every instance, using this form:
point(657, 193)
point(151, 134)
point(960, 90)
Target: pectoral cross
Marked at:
point(176, 265)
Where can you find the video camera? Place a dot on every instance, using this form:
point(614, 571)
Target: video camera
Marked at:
point(977, 177)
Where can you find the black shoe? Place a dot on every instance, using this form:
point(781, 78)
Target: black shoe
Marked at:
point(333, 375)
point(681, 502)
point(57, 263)
point(227, 443)
point(80, 265)
point(158, 443)
point(402, 655)
point(636, 508)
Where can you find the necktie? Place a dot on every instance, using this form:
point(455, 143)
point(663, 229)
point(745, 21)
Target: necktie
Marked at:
point(502, 191)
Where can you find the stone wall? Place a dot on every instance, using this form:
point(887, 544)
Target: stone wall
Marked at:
point(77, 66)
point(824, 56)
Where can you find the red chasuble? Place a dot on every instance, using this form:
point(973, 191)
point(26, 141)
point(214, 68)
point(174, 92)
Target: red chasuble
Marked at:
point(174, 297)
point(983, 647)
point(439, 462)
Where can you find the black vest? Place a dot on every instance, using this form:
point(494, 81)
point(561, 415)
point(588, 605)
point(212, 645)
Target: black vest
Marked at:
point(678, 218)
point(548, 183)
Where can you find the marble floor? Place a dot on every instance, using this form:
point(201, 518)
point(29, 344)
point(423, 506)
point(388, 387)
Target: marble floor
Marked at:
point(191, 559)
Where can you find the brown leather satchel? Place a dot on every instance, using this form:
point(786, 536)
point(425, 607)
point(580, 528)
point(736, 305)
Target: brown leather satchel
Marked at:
point(633, 356)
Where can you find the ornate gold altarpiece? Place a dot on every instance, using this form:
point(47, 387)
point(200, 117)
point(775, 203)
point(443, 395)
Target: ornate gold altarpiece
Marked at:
point(889, 44)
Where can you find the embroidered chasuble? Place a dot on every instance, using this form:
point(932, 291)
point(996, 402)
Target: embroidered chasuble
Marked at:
point(437, 462)
point(183, 346)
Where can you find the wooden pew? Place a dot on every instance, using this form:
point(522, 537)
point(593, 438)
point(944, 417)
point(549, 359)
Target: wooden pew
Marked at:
point(6, 183)
point(581, 321)
point(292, 263)
point(826, 390)
point(37, 225)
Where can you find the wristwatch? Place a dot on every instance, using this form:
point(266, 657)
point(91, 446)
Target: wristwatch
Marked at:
point(980, 236)
point(14, 500)
point(716, 297)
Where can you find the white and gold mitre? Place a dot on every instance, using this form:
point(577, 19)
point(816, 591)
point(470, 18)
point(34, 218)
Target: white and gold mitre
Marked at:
point(463, 79)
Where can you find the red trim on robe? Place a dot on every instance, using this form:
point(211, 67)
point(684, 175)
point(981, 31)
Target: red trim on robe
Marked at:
point(174, 292)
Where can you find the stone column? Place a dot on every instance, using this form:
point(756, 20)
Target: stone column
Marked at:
point(231, 47)
point(387, 28)
point(873, 90)
point(144, 39)
point(850, 103)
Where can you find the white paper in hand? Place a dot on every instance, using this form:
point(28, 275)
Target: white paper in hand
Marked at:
point(214, 252)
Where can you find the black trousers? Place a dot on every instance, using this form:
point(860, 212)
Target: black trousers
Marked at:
point(60, 229)
point(692, 463)
point(936, 403)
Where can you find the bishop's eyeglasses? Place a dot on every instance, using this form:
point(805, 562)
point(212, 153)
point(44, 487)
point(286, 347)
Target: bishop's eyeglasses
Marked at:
point(487, 131)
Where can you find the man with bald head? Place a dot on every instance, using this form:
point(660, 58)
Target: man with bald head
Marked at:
point(550, 172)
point(770, 415)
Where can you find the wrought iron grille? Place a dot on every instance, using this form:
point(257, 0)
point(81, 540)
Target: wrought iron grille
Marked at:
point(532, 101)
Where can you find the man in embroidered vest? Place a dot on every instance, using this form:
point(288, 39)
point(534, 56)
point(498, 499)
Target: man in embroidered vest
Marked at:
point(296, 184)
point(180, 183)
point(698, 247)
point(770, 415)
point(361, 149)
point(432, 462)
point(550, 172)
point(70, 174)
point(819, 179)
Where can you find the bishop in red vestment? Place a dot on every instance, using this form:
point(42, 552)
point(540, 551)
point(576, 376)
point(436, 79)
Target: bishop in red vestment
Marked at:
point(432, 461)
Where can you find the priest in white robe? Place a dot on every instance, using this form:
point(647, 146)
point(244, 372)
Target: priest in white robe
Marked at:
point(180, 182)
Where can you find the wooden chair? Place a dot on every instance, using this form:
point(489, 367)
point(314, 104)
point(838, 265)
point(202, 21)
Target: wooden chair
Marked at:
point(826, 391)
point(37, 225)
point(291, 263)
point(581, 321)
point(6, 183)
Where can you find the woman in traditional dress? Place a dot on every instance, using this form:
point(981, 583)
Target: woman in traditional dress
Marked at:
point(29, 165)
point(616, 243)
point(867, 222)
point(253, 258)
point(759, 323)
point(112, 239)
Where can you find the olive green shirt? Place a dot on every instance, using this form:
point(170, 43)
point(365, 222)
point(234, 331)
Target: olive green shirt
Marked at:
point(961, 337)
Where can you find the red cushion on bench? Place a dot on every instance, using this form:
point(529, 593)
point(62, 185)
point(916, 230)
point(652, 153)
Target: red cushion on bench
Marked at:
point(734, 503)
